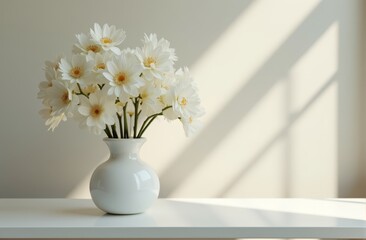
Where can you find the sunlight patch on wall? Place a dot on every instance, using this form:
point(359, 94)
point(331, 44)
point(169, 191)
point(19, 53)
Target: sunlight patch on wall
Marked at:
point(314, 68)
point(314, 154)
point(227, 66)
point(244, 47)
point(314, 136)
point(242, 153)
point(264, 150)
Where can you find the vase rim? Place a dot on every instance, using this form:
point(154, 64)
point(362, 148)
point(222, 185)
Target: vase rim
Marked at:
point(106, 139)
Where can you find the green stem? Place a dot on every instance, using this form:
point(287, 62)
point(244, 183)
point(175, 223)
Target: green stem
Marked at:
point(125, 122)
point(120, 125)
point(115, 135)
point(136, 103)
point(81, 91)
point(150, 117)
point(148, 124)
point(107, 131)
point(130, 130)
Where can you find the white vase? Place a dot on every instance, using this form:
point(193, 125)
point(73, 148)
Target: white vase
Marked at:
point(124, 184)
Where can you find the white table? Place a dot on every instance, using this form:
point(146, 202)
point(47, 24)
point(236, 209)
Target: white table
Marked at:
point(186, 218)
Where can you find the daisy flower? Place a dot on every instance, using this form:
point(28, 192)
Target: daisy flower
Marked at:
point(90, 89)
point(165, 44)
point(183, 96)
point(52, 120)
point(86, 44)
point(108, 38)
point(51, 73)
point(46, 112)
point(191, 124)
point(155, 59)
point(186, 101)
point(183, 75)
point(78, 70)
point(43, 91)
point(97, 111)
point(99, 65)
point(61, 99)
point(150, 99)
point(123, 74)
point(52, 69)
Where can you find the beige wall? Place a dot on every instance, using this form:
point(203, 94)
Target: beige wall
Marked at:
point(280, 81)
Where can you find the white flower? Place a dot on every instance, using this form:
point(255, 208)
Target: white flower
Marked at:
point(51, 120)
point(150, 99)
point(89, 89)
point(123, 74)
point(191, 125)
point(52, 69)
point(119, 107)
point(184, 97)
point(130, 110)
point(99, 61)
point(99, 65)
point(185, 76)
point(54, 121)
point(51, 73)
point(61, 99)
point(45, 112)
point(170, 115)
point(186, 100)
point(79, 70)
point(86, 45)
point(98, 111)
point(43, 91)
point(156, 59)
point(138, 84)
point(165, 44)
point(108, 38)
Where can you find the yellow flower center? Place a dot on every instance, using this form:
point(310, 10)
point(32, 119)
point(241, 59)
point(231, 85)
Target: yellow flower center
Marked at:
point(65, 98)
point(161, 99)
point(76, 72)
point(96, 111)
point(106, 40)
point(90, 89)
point(93, 48)
point(120, 78)
point(130, 113)
point(57, 66)
point(144, 95)
point(148, 61)
point(101, 66)
point(183, 102)
point(119, 104)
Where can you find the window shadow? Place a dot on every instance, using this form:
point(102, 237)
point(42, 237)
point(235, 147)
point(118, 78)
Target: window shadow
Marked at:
point(281, 134)
point(247, 97)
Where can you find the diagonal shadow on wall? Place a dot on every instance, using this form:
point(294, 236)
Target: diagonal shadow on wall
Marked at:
point(247, 97)
point(281, 134)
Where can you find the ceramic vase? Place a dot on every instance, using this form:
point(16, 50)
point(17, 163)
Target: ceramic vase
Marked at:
point(124, 184)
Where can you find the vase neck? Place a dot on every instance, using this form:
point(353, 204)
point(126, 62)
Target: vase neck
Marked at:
point(121, 149)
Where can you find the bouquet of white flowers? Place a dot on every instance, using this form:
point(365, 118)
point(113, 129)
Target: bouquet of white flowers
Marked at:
point(120, 92)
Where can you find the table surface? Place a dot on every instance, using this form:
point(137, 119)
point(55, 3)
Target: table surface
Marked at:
point(186, 218)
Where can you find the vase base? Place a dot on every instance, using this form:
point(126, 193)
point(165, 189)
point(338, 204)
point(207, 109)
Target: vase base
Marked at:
point(111, 213)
